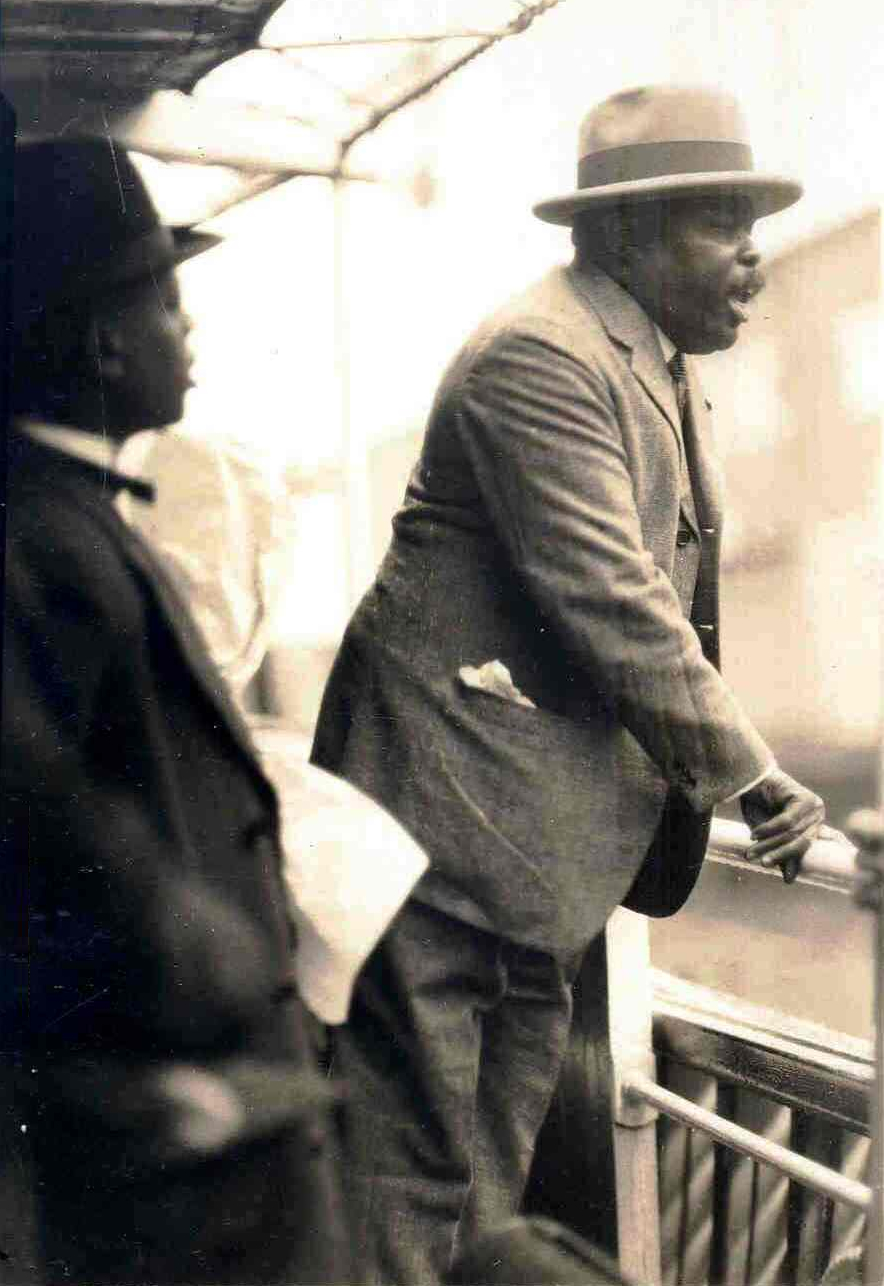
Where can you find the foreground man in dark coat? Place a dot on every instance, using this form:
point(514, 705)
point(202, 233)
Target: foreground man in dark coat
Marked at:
point(532, 684)
point(148, 1007)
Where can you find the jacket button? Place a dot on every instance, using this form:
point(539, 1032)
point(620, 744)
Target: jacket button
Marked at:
point(683, 537)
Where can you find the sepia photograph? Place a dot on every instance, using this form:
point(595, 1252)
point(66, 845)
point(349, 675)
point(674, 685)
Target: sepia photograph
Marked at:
point(443, 643)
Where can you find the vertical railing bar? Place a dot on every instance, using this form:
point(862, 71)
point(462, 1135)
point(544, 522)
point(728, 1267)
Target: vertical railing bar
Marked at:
point(866, 829)
point(834, 1158)
point(684, 1212)
point(824, 1241)
point(636, 1160)
point(723, 1163)
point(795, 1201)
point(753, 1212)
point(874, 1271)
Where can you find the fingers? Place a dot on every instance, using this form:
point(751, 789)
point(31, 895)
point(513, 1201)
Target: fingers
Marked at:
point(785, 818)
point(788, 858)
point(790, 869)
point(801, 813)
point(785, 850)
point(761, 849)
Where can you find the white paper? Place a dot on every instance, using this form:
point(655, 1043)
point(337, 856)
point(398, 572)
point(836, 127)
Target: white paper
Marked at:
point(349, 867)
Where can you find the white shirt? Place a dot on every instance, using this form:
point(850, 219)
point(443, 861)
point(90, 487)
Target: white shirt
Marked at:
point(79, 443)
point(669, 349)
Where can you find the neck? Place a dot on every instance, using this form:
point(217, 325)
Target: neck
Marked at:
point(86, 413)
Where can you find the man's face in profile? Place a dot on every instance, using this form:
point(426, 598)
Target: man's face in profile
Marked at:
point(148, 367)
point(699, 275)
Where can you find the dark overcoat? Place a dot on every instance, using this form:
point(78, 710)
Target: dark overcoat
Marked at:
point(147, 946)
point(552, 524)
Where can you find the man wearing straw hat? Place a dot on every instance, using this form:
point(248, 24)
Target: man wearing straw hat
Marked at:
point(532, 685)
point(148, 1006)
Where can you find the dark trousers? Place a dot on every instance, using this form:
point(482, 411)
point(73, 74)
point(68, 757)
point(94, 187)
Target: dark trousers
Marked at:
point(451, 1057)
point(117, 1205)
point(267, 1213)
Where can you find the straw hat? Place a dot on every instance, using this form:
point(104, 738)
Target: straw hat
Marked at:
point(662, 141)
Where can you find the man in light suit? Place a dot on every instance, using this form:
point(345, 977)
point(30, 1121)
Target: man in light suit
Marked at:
point(148, 1009)
point(532, 684)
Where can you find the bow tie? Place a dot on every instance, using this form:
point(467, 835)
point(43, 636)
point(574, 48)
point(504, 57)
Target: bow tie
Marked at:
point(139, 487)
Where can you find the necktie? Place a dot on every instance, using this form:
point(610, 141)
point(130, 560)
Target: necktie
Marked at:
point(680, 379)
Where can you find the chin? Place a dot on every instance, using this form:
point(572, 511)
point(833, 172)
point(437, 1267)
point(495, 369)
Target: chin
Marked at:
point(707, 343)
point(164, 417)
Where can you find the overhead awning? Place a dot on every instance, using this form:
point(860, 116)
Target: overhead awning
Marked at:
point(267, 89)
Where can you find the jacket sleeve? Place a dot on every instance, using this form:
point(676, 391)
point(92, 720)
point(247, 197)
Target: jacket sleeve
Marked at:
point(102, 917)
point(542, 434)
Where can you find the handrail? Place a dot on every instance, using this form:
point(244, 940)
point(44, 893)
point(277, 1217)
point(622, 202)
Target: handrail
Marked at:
point(827, 859)
point(637, 1085)
point(637, 1098)
point(790, 1079)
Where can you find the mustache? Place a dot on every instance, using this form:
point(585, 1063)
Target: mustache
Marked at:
point(754, 283)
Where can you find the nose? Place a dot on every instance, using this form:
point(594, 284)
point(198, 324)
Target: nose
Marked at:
point(749, 254)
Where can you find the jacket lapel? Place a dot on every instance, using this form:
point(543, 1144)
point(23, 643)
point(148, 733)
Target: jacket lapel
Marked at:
point(95, 487)
point(180, 621)
point(629, 326)
point(708, 482)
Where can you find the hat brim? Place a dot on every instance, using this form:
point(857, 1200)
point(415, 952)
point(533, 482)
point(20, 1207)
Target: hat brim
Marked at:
point(189, 244)
point(768, 193)
point(161, 250)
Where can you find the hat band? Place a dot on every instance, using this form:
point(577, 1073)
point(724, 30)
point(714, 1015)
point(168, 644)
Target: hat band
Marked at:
point(638, 161)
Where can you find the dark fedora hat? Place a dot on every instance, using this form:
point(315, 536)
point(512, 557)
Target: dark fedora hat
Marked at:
point(83, 225)
point(663, 141)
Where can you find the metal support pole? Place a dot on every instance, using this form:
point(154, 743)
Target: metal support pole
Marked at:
point(875, 1247)
point(630, 1009)
point(867, 832)
point(357, 492)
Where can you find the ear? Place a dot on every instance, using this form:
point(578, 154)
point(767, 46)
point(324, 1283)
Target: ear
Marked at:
point(107, 346)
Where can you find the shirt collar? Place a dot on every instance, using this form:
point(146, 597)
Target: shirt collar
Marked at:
point(669, 349)
point(112, 458)
point(78, 443)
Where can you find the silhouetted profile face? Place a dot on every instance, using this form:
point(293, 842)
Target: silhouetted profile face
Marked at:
point(699, 273)
point(145, 355)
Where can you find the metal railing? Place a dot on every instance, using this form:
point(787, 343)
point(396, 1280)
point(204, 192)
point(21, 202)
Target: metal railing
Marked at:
point(639, 1098)
point(725, 1216)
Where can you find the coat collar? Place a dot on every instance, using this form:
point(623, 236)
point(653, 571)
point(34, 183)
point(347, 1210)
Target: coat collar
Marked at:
point(629, 325)
point(41, 466)
point(52, 460)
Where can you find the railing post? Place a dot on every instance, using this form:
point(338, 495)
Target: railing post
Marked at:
point(630, 1008)
point(867, 832)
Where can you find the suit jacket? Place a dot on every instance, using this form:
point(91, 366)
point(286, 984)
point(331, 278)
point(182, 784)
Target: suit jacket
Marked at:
point(143, 908)
point(549, 524)
point(176, 1116)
